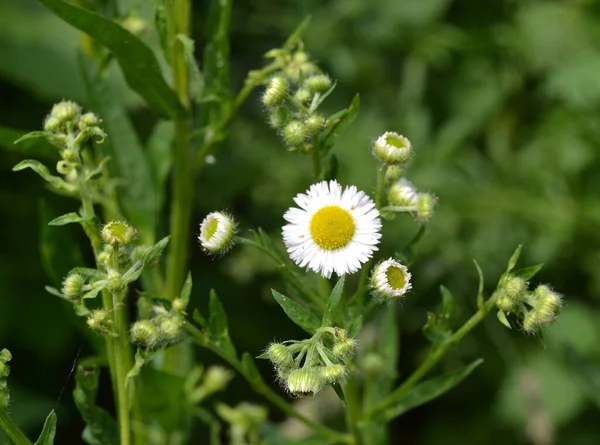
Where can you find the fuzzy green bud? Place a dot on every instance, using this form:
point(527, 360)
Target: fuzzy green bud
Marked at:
point(393, 173)
point(425, 207)
point(547, 303)
point(303, 95)
point(69, 155)
point(145, 334)
point(345, 348)
point(333, 373)
point(280, 356)
point(99, 321)
point(304, 382)
point(278, 117)
point(275, 92)
point(531, 322)
point(104, 258)
point(403, 193)
point(315, 123)
point(514, 288)
point(392, 148)
point(505, 303)
point(52, 124)
point(88, 120)
point(73, 286)
point(295, 133)
point(178, 305)
point(170, 328)
point(65, 111)
point(115, 283)
point(117, 233)
point(318, 83)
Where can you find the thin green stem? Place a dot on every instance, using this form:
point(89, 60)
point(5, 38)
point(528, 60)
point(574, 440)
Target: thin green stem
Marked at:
point(316, 157)
point(264, 390)
point(12, 430)
point(353, 411)
point(435, 356)
point(380, 186)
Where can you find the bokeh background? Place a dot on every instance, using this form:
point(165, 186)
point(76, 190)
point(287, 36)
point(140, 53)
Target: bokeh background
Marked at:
point(502, 102)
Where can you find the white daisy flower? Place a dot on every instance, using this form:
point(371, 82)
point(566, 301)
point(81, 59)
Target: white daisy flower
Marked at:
point(393, 148)
point(333, 230)
point(216, 232)
point(390, 279)
point(403, 194)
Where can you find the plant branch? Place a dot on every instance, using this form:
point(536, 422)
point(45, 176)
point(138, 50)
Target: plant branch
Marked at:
point(12, 430)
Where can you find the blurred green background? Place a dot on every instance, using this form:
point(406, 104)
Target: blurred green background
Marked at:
point(501, 100)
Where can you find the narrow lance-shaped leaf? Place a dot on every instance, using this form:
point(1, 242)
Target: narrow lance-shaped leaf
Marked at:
point(186, 290)
point(68, 218)
point(480, 286)
point(137, 61)
point(49, 430)
point(37, 148)
point(514, 258)
point(332, 313)
point(527, 273)
point(428, 390)
point(217, 326)
point(55, 182)
point(340, 122)
point(297, 313)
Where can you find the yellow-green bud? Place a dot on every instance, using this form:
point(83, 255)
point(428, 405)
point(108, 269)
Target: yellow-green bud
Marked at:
point(65, 111)
point(319, 83)
point(72, 286)
point(333, 373)
point(315, 123)
point(425, 207)
point(275, 92)
point(403, 194)
point(52, 124)
point(393, 173)
point(145, 334)
point(344, 348)
point(392, 148)
point(117, 233)
point(531, 322)
point(135, 25)
point(304, 382)
point(547, 303)
point(514, 287)
point(104, 258)
point(88, 120)
point(278, 117)
point(217, 232)
point(504, 303)
point(69, 155)
point(178, 305)
point(303, 95)
point(115, 283)
point(216, 379)
point(170, 328)
point(99, 320)
point(295, 133)
point(280, 355)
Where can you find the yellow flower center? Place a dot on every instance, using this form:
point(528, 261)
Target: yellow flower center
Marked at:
point(395, 277)
point(332, 227)
point(395, 141)
point(211, 228)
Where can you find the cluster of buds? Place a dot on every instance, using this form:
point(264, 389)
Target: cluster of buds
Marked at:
point(163, 329)
point(293, 96)
point(533, 308)
point(305, 367)
point(217, 233)
point(403, 194)
point(5, 357)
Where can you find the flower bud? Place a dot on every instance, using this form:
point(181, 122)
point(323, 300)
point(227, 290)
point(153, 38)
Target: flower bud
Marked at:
point(275, 92)
point(69, 155)
point(531, 322)
point(318, 83)
point(390, 280)
point(115, 283)
point(5, 357)
point(504, 303)
point(345, 348)
point(145, 334)
point(135, 25)
point(295, 133)
point(303, 95)
point(65, 111)
point(333, 373)
point(547, 303)
point(315, 123)
point(514, 288)
point(392, 148)
point(99, 321)
point(170, 328)
point(217, 232)
point(117, 233)
point(304, 382)
point(216, 379)
point(278, 117)
point(72, 286)
point(178, 305)
point(393, 173)
point(88, 120)
point(52, 124)
point(425, 207)
point(403, 193)
point(104, 258)
point(280, 355)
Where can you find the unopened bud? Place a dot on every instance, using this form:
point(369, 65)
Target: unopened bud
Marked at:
point(278, 117)
point(170, 328)
point(178, 305)
point(514, 287)
point(315, 123)
point(547, 303)
point(333, 373)
point(117, 233)
point(303, 95)
point(304, 382)
point(393, 173)
point(280, 355)
point(425, 207)
point(295, 133)
point(403, 194)
point(344, 348)
point(504, 303)
point(275, 92)
point(52, 124)
point(319, 83)
point(65, 111)
point(69, 155)
point(88, 120)
point(390, 280)
point(115, 283)
point(145, 334)
point(216, 379)
point(99, 321)
point(217, 232)
point(392, 148)
point(72, 286)
point(104, 258)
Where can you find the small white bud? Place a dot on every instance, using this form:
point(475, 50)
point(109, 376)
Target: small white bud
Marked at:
point(117, 233)
point(392, 148)
point(403, 194)
point(217, 232)
point(304, 382)
point(390, 280)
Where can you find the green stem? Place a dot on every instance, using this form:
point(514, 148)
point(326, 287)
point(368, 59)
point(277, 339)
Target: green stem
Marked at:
point(264, 390)
point(380, 186)
point(11, 429)
point(353, 411)
point(435, 356)
point(316, 156)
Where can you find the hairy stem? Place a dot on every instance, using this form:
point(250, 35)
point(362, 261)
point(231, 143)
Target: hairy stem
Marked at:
point(12, 430)
point(435, 356)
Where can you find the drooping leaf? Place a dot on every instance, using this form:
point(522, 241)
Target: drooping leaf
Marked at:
point(429, 390)
point(218, 327)
point(48, 431)
point(38, 148)
point(137, 61)
point(332, 314)
point(155, 251)
point(101, 428)
point(297, 313)
point(55, 182)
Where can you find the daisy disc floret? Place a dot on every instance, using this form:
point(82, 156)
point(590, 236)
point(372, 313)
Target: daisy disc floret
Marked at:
point(334, 230)
point(392, 148)
point(217, 231)
point(390, 280)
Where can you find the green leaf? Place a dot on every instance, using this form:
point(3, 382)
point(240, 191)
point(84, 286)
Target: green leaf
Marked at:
point(480, 287)
point(155, 252)
point(198, 318)
point(502, 317)
point(55, 182)
point(332, 314)
point(48, 431)
point(527, 273)
point(101, 428)
point(298, 314)
point(216, 51)
point(66, 219)
point(217, 326)
point(160, 156)
point(38, 148)
point(514, 258)
point(296, 36)
point(340, 122)
point(435, 331)
point(186, 290)
point(428, 390)
point(130, 165)
point(88, 273)
point(137, 61)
